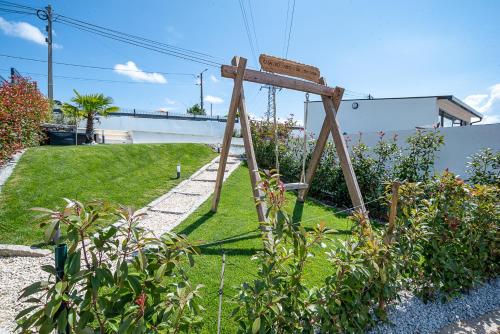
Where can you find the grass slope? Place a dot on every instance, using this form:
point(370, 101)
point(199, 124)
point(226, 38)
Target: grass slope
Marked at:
point(127, 174)
point(233, 229)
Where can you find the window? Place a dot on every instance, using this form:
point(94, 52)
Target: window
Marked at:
point(447, 121)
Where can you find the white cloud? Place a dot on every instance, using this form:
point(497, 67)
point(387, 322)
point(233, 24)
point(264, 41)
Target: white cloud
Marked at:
point(485, 104)
point(131, 70)
point(213, 99)
point(170, 101)
point(213, 78)
point(22, 30)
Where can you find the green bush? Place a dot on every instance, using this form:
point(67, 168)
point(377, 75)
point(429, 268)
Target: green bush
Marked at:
point(484, 167)
point(23, 109)
point(442, 242)
point(454, 230)
point(276, 301)
point(373, 167)
point(365, 276)
point(116, 279)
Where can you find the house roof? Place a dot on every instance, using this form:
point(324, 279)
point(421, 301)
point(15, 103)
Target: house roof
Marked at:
point(450, 98)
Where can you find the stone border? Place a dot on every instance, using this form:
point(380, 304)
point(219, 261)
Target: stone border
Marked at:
point(7, 250)
point(8, 168)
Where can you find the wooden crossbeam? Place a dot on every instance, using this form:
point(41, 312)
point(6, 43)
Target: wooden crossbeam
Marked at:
point(277, 80)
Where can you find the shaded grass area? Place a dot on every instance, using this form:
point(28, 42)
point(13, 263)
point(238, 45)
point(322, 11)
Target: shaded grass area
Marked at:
point(233, 229)
point(132, 175)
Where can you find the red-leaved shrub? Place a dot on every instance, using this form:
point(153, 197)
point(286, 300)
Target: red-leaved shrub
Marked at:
point(22, 110)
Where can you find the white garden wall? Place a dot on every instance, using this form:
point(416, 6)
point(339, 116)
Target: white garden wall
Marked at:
point(460, 143)
point(169, 125)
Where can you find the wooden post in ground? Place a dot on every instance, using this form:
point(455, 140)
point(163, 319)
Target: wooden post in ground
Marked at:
point(253, 169)
point(228, 133)
point(392, 213)
point(341, 147)
point(318, 150)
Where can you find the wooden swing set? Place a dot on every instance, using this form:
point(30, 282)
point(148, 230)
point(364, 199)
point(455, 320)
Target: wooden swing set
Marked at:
point(284, 73)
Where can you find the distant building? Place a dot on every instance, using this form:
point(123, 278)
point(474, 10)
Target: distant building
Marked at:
point(392, 114)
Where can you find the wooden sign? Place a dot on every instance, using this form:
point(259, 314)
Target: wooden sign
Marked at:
point(288, 67)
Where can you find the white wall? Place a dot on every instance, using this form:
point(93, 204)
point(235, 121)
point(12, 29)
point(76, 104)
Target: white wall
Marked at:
point(378, 115)
point(172, 126)
point(460, 143)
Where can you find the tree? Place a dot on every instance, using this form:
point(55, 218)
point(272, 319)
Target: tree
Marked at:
point(196, 110)
point(88, 107)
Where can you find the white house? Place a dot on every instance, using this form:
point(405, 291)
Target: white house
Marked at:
point(391, 114)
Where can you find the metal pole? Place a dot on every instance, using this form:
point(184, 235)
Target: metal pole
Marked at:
point(61, 254)
point(221, 287)
point(50, 84)
point(210, 109)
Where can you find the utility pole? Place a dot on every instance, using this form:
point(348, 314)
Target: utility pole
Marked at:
point(46, 15)
point(211, 109)
point(49, 55)
point(201, 88)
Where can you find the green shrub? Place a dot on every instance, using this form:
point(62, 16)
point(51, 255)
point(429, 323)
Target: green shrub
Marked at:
point(417, 159)
point(455, 230)
point(276, 301)
point(22, 110)
point(484, 167)
point(116, 279)
point(365, 276)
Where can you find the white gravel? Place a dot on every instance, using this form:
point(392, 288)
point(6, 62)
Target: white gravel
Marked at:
point(17, 273)
point(169, 210)
point(411, 315)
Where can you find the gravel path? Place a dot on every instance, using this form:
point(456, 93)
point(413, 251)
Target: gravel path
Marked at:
point(15, 274)
point(411, 315)
point(169, 210)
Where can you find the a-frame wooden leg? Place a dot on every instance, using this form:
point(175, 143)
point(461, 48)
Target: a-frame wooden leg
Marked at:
point(318, 151)
point(343, 153)
point(228, 133)
point(251, 160)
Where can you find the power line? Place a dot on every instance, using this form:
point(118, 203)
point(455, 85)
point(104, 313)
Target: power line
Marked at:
point(286, 26)
point(140, 44)
point(89, 79)
point(12, 4)
point(253, 25)
point(135, 36)
point(247, 29)
point(15, 11)
point(95, 67)
point(290, 30)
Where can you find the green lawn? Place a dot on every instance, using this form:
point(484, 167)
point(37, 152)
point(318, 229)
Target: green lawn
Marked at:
point(127, 174)
point(233, 229)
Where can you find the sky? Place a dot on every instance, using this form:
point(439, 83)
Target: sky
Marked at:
point(382, 48)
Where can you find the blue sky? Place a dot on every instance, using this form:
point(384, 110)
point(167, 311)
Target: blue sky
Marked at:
point(384, 48)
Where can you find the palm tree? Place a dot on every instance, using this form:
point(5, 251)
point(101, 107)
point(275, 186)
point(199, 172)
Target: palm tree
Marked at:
point(87, 107)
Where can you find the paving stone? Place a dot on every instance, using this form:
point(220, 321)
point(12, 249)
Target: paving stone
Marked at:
point(176, 203)
point(206, 176)
point(194, 187)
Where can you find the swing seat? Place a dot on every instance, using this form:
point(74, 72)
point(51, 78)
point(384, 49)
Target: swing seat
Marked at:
point(296, 186)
